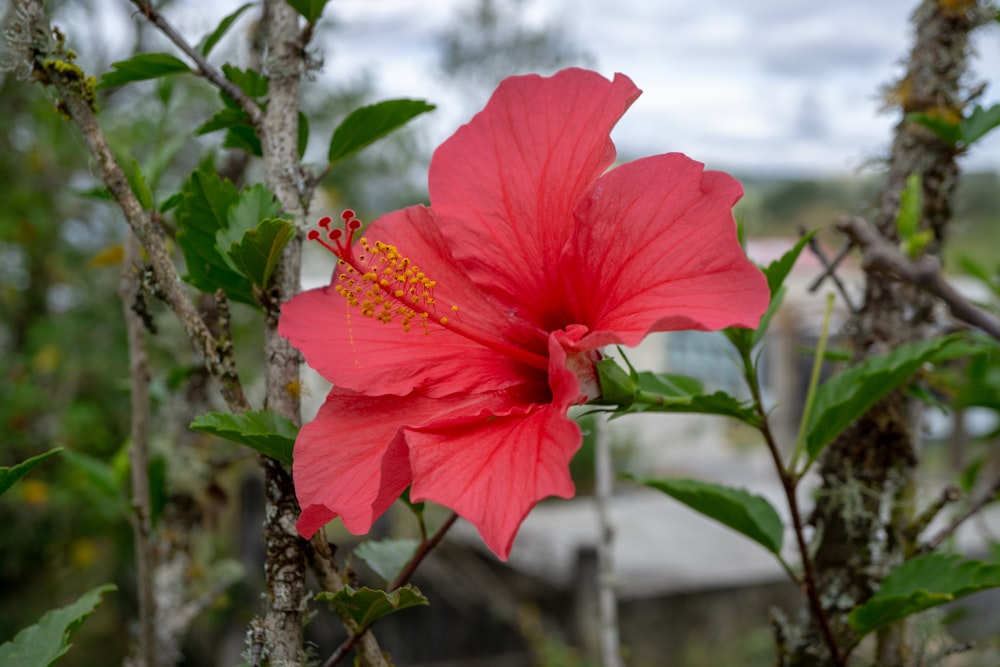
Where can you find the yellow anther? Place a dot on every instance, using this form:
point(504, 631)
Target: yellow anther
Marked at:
point(386, 286)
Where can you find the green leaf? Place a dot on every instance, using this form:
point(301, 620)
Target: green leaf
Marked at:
point(848, 395)
point(744, 512)
point(243, 138)
point(250, 81)
point(139, 186)
point(203, 211)
point(368, 124)
point(258, 252)
point(140, 68)
point(303, 134)
point(165, 91)
point(980, 122)
point(10, 475)
point(267, 432)
point(617, 386)
point(224, 119)
point(99, 475)
point(776, 272)
point(970, 475)
point(387, 558)
point(914, 246)
point(172, 202)
point(310, 9)
point(95, 193)
point(978, 271)
point(924, 582)
point(43, 643)
point(212, 39)
point(365, 605)
point(678, 393)
point(254, 204)
point(416, 508)
point(946, 130)
point(670, 384)
point(757, 335)
point(207, 200)
point(965, 132)
point(743, 339)
point(240, 133)
point(911, 205)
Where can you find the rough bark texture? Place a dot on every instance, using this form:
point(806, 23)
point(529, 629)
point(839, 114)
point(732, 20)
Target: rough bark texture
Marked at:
point(285, 564)
point(864, 504)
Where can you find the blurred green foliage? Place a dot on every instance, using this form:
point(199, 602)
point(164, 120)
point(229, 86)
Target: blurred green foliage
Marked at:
point(62, 359)
point(778, 206)
point(62, 343)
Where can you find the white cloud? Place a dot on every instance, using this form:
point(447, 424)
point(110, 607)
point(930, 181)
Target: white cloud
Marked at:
point(729, 81)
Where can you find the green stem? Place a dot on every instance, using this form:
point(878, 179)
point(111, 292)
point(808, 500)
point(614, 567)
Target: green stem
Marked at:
point(800, 441)
point(789, 485)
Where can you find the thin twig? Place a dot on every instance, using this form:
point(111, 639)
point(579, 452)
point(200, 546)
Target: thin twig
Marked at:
point(789, 483)
point(130, 292)
point(830, 266)
point(72, 86)
point(830, 270)
point(322, 562)
point(925, 273)
point(421, 553)
point(607, 603)
point(989, 496)
point(204, 68)
point(950, 494)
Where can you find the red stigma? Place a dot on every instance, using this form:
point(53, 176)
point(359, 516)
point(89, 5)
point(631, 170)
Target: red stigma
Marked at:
point(338, 240)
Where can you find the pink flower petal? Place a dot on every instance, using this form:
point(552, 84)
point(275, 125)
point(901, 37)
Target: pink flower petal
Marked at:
point(351, 460)
point(656, 250)
point(492, 471)
point(504, 186)
point(372, 357)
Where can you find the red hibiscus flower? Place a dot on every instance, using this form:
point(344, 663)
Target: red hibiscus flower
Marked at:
point(458, 335)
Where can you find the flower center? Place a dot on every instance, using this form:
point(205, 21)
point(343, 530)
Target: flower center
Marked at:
point(379, 281)
point(386, 286)
point(583, 365)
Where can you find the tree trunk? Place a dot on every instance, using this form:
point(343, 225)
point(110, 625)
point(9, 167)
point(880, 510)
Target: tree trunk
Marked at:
point(865, 501)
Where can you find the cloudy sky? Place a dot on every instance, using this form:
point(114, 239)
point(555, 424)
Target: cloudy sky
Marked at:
point(779, 86)
point(786, 86)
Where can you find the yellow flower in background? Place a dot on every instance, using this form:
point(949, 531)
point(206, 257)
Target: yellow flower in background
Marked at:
point(34, 492)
